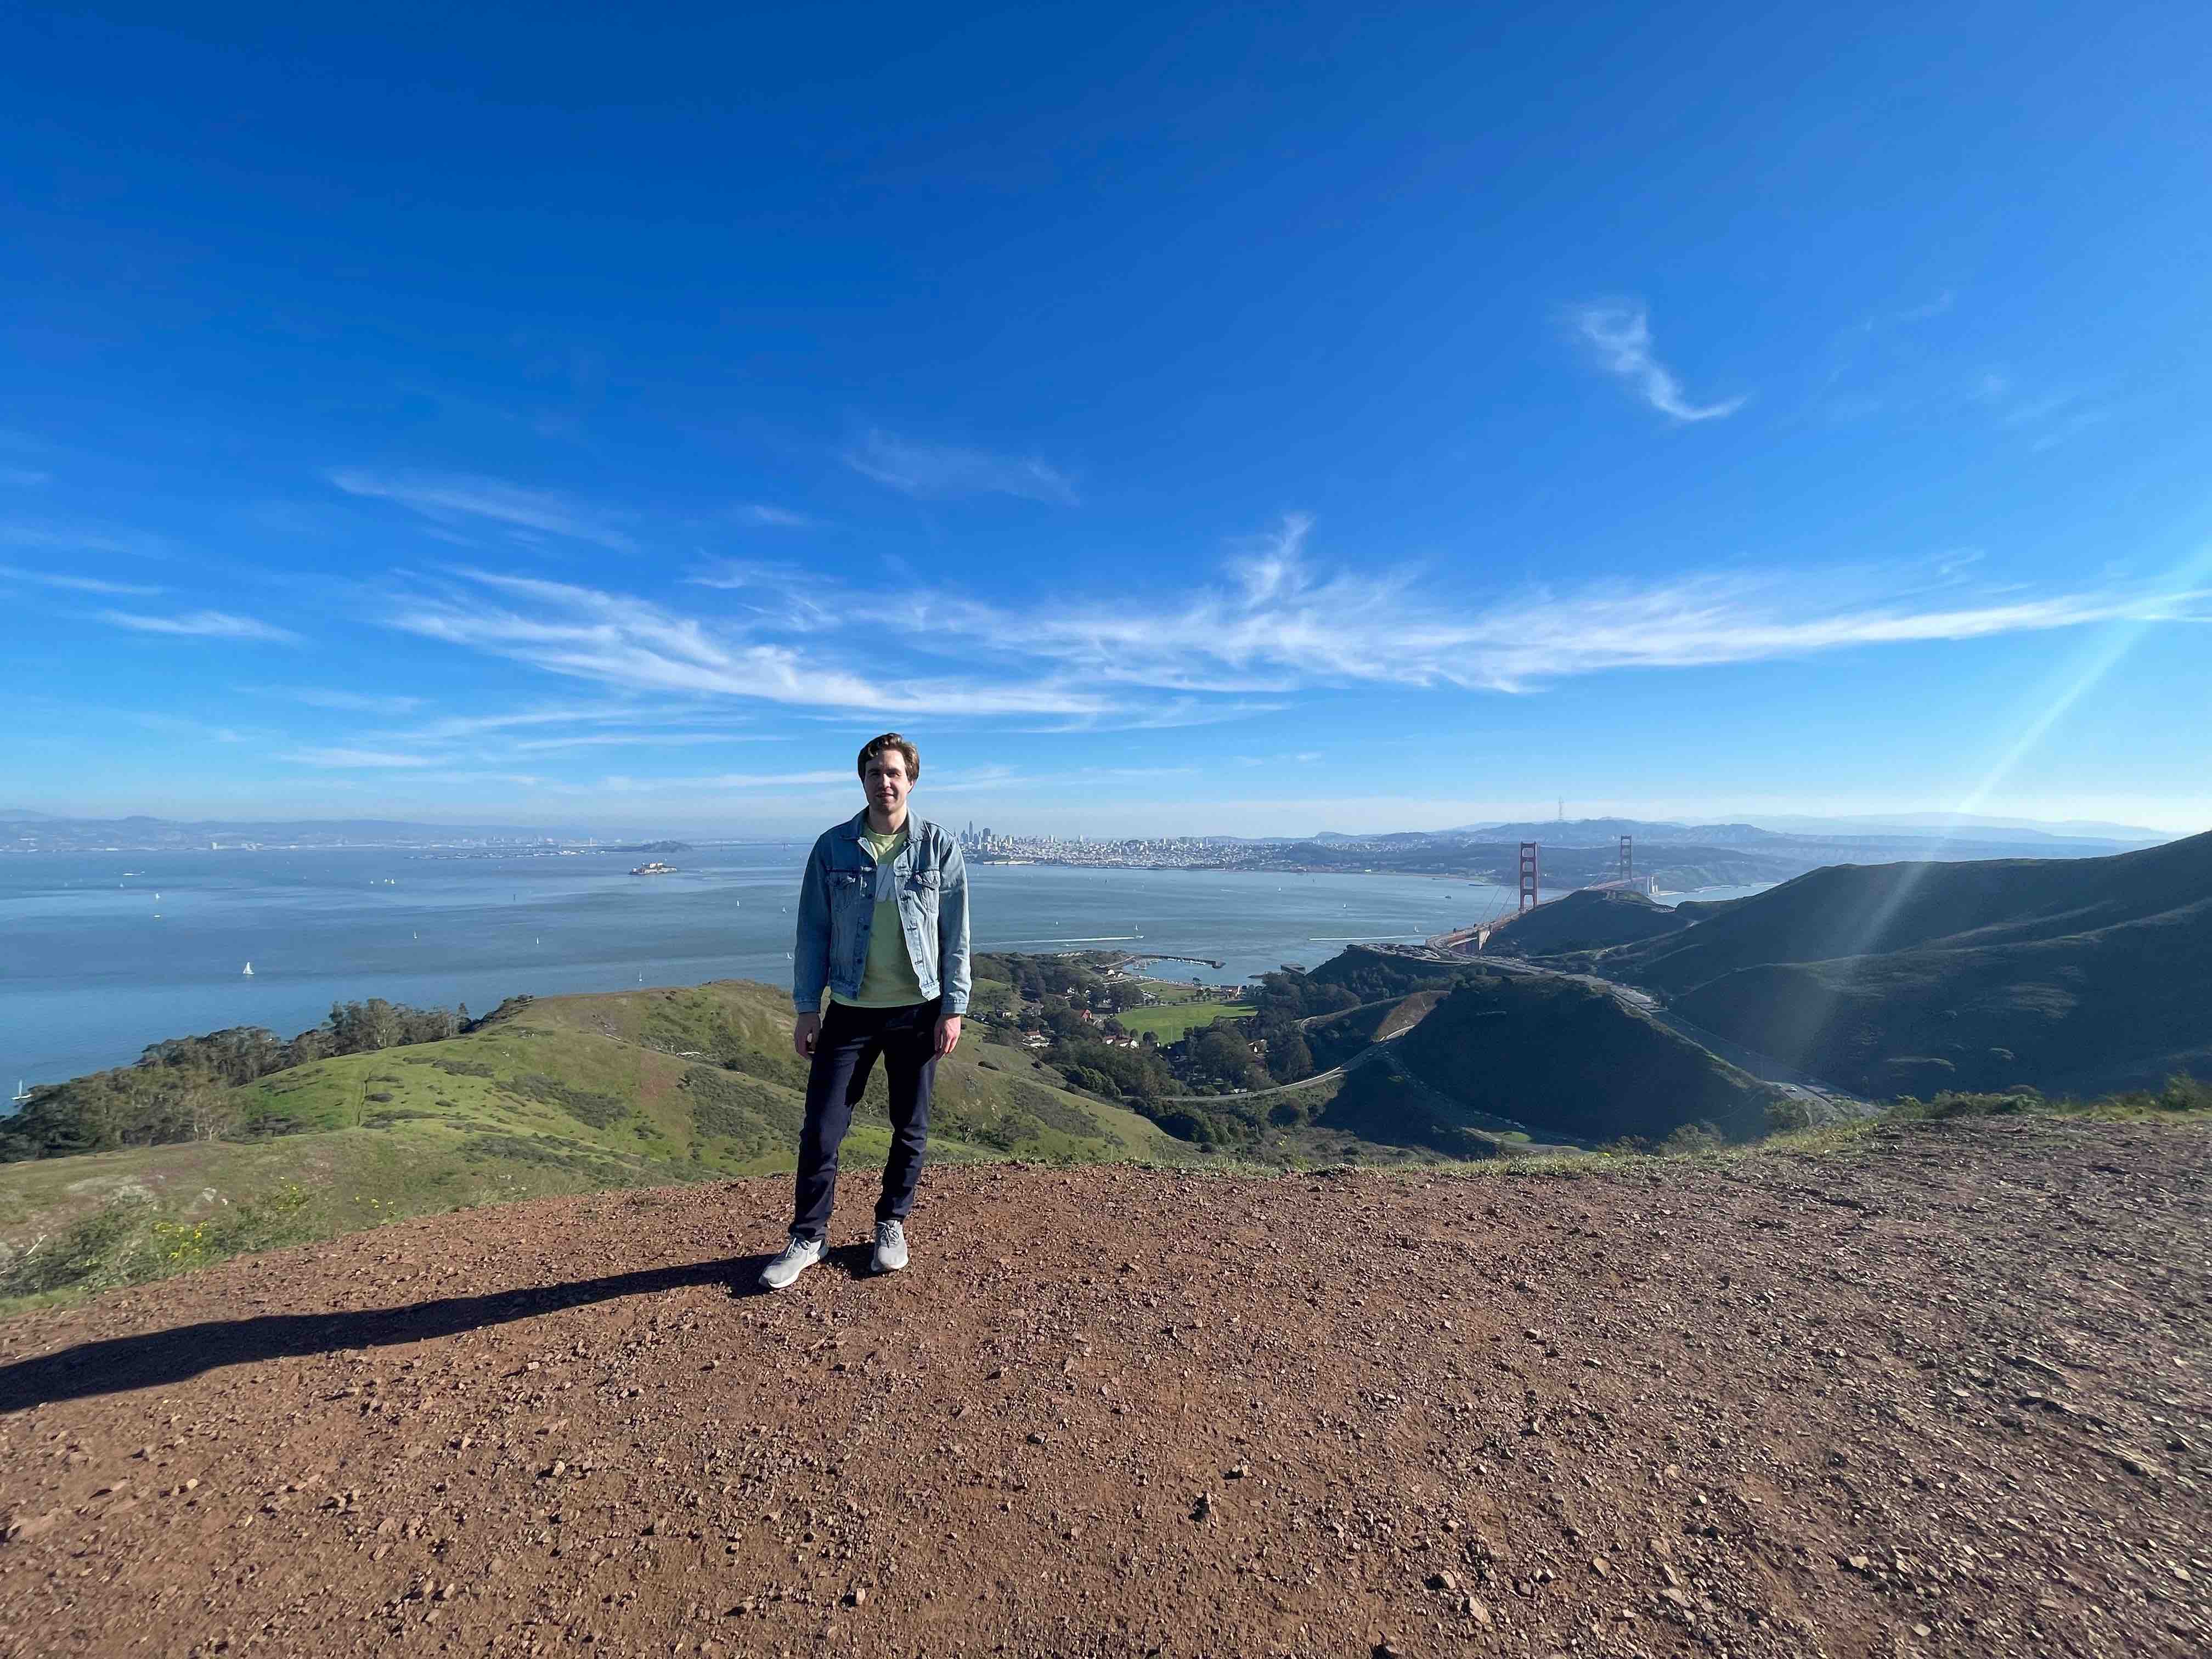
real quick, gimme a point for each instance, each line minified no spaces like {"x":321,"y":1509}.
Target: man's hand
{"x":948,"y":1035}
{"x":803,"y":1032}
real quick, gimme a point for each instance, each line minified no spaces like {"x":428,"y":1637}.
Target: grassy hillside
{"x":1336,"y":1038}
{"x":1169,"y":1021}
{"x":1558,"y":1056}
{"x":1849,"y":910}
{"x":2122,"y":1008}
{"x":2065,"y":974}
{"x":1587,"y":921}
{"x":567,"y":1094}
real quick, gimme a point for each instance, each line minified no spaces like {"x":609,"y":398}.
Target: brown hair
{"x":875,"y":746}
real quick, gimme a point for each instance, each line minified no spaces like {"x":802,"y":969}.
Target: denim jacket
{"x":837,"y":907}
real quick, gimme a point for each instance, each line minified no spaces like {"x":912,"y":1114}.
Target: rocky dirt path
{"x":1948,"y":1398}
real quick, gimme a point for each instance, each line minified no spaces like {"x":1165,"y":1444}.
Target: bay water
{"x":103,"y":953}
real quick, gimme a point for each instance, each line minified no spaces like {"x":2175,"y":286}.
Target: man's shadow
{"x":157,"y":1358}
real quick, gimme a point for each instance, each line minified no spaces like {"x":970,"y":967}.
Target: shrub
{"x":92,"y":1253}
{"x":583,"y":1104}
{"x":126,"y":1243}
{"x":1691,"y":1138}
{"x":1956,"y":1103}
{"x":1785,"y":1113}
{"x":1094,"y":1081}
{"x":2184,"y":1093}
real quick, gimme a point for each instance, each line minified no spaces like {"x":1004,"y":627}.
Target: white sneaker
{"x":798,"y":1256}
{"x":890,"y":1247}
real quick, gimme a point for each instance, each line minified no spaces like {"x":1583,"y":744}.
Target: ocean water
{"x":102,"y":954}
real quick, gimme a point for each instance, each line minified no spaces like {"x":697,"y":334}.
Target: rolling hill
{"x":1592,"y":920}
{"x":1569,"y":1060}
{"x":2067,"y":975}
{"x":564,"y":1094}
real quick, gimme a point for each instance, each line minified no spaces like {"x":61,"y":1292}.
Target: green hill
{"x":563,"y":1094}
{"x":2069,"y":974}
{"x":1571,"y":1062}
{"x":1590,"y":920}
{"x":1335,"y":1038}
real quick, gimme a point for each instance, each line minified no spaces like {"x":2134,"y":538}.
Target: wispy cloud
{"x":620,"y":785}
{"x":1273,"y":624}
{"x":1621,"y":334}
{"x":183,"y":726}
{"x":615,"y":640}
{"x":355,"y":758}
{"x":1277,"y":622}
{"x":450,"y":728}
{"x":83,"y":539}
{"x":202,"y":624}
{"x":1174,"y":714}
{"x":23,"y":477}
{"x":77,"y":584}
{"x":788,"y":598}
{"x":947,"y":470}
{"x":775,"y":518}
{"x":447,"y":499}
{"x":500,"y":737}
{"x":349,"y":702}
{"x":641,"y":740}
{"x":2032,"y":412}
{"x":2046,"y":419}
{"x":2073,"y":426}
{"x":1919,"y":313}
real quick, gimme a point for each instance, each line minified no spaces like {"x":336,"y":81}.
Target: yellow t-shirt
{"x":888,"y":981}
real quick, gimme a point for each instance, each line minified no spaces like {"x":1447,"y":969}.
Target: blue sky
{"x":1244,"y":419}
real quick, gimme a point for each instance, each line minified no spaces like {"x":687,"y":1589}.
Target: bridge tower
{"x":1628,"y":858}
{"x":1529,"y":877}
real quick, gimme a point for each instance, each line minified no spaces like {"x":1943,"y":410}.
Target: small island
{"x":654,"y":868}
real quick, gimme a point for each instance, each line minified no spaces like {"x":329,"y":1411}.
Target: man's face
{"x":886,"y":782}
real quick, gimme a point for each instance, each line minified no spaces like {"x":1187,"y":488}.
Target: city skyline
{"x":1177,"y":424}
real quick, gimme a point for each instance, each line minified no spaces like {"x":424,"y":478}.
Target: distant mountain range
{"x":1814,"y":841}
{"x":2133,"y":834}
{"x":1913,"y":826}
{"x":1599,"y":832}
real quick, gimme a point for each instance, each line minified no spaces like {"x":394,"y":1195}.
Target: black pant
{"x":850,"y":1039}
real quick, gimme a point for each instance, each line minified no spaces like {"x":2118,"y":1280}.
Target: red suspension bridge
{"x":1529,"y":894}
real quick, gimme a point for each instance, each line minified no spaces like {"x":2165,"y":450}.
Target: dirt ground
{"x":1948,"y":1397}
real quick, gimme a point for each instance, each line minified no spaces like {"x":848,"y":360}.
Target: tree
{"x":1289,"y":1058}
{"x":1222,"y":1052}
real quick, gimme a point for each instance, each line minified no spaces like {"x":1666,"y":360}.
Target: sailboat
{"x":249,"y":970}
{"x":22,"y":1092}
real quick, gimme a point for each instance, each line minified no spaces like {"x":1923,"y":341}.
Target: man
{"x":883,"y":924}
